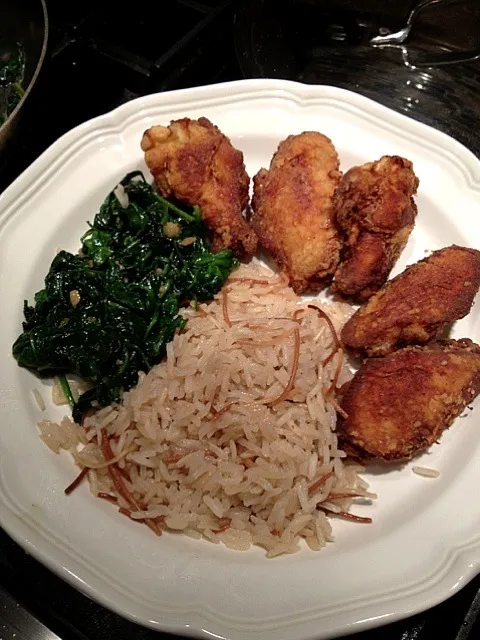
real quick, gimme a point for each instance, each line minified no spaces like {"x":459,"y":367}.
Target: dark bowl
{"x":24,"y":21}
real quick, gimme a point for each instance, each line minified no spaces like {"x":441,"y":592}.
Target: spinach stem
{"x":19,"y":88}
{"x":66,"y":389}
{"x":179,"y":212}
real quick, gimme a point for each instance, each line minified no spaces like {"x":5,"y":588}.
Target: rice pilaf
{"x":232,"y":437}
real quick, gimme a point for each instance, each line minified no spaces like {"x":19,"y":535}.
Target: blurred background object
{"x":329,"y":42}
{"x":23,"y":46}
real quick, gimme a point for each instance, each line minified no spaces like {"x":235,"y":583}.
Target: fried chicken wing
{"x":375,"y":209}
{"x":399,"y":405}
{"x":196,"y":163}
{"x":415,"y":306}
{"x":293,"y":209}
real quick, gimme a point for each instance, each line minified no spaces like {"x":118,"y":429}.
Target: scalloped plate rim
{"x":461,"y":568}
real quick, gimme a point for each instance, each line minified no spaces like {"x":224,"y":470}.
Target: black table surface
{"x":102,"y":55}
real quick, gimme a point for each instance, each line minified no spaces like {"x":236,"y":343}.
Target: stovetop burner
{"x":101,"y":56}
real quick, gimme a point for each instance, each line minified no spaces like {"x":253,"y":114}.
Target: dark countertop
{"x":327,"y":42}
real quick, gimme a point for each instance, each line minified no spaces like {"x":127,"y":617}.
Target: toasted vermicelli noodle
{"x":232,"y":437}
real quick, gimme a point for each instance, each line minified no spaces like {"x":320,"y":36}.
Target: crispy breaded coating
{"x":399,"y":405}
{"x":415,"y":306}
{"x":375,"y":209}
{"x":293,"y":209}
{"x":194,"y":162}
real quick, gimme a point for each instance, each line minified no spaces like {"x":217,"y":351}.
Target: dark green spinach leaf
{"x":12,"y":69}
{"x":108,"y":312}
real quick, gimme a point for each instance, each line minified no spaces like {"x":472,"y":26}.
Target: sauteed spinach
{"x":12,"y":69}
{"x":108,"y":312}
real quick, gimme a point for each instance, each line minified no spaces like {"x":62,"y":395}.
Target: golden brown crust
{"x":194,"y":162}
{"x":399,"y":405}
{"x":375,"y":209}
{"x":415,"y":306}
{"x":293,"y":209}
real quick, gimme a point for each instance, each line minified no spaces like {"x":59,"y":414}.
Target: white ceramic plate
{"x":424,"y":543}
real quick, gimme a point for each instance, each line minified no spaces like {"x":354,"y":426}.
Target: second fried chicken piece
{"x":399,"y":405}
{"x":415,"y":306}
{"x":293,"y":209}
{"x":193,"y":161}
{"x":376,"y":211}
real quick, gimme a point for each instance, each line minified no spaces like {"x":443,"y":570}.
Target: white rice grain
{"x":38,"y":399}
{"x":426,"y":472}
